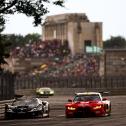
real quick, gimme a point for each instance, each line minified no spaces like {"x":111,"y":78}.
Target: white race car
{"x":27,"y":107}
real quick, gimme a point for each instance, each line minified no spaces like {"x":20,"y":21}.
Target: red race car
{"x":88,"y":104}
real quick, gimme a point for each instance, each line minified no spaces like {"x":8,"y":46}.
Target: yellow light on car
{"x":97,"y":107}
{"x":71,"y":108}
{"x":41,"y":92}
{"x":51,"y":92}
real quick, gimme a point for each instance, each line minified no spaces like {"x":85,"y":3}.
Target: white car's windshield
{"x":25,"y":102}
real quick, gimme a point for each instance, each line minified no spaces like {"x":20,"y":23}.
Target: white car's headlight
{"x":41,"y":92}
{"x":39,"y":107}
{"x":51,"y":92}
{"x":10,"y":108}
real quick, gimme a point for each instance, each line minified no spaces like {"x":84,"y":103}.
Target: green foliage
{"x":19,"y":40}
{"x":2,"y":22}
{"x":13,"y":40}
{"x":31,"y":8}
{"x":4,"y":53}
{"x":115,"y":42}
{"x":32,"y":38}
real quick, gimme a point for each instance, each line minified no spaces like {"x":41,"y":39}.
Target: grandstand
{"x":52,"y":58}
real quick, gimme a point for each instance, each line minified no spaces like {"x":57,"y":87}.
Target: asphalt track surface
{"x":57,"y":117}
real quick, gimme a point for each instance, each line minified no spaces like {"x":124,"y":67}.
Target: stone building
{"x":74,"y":28}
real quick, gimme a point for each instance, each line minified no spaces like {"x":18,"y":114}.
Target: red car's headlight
{"x":71,"y":108}
{"x":97,"y":107}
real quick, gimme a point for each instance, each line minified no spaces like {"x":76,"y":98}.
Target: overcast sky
{"x":110,"y":12}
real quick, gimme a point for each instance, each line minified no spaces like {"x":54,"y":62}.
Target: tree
{"x":14,"y":40}
{"x":4,"y":52}
{"x":32,"y":38}
{"x":2,"y":22}
{"x":31,"y":8}
{"x":20,"y":40}
{"x":115,"y":42}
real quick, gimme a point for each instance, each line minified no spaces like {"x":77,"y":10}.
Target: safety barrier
{"x":2,"y":107}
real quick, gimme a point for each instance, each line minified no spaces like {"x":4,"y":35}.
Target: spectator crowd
{"x":58,"y":59}
{"x":41,"y":49}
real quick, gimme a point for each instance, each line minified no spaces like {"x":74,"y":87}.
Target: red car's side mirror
{"x":69,"y":100}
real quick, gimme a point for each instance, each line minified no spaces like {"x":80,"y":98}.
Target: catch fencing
{"x":6,"y":86}
{"x":113,"y":82}
{"x":9,"y":83}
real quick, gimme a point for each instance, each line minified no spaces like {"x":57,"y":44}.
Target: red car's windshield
{"x":94,"y":97}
